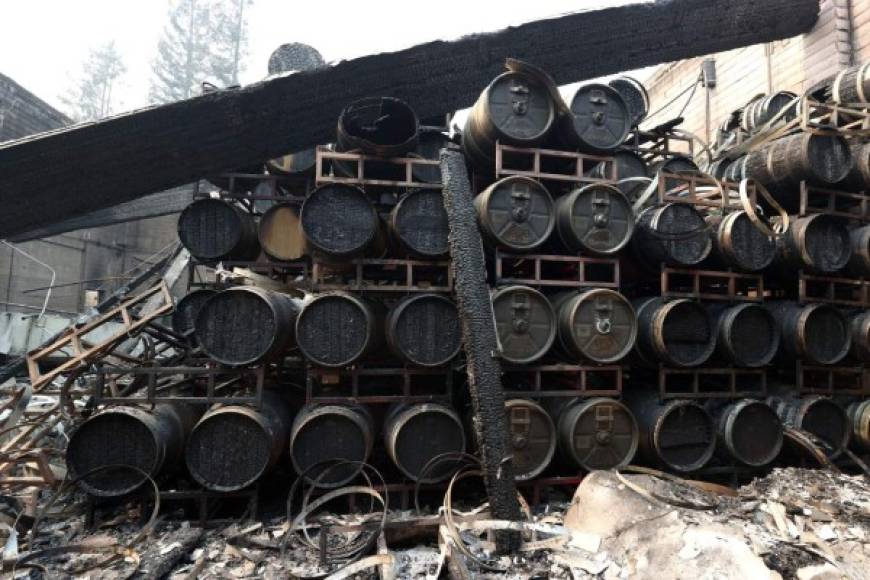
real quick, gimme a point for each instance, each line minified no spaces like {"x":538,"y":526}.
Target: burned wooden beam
{"x":480,"y":342}
{"x":57,"y":176}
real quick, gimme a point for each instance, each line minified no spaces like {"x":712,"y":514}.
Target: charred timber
{"x":66,"y":173}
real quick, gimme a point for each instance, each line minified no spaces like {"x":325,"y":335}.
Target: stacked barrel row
{"x":266,"y":225}
{"x":834,"y":244}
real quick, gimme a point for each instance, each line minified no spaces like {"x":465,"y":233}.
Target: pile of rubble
{"x":794,"y":523}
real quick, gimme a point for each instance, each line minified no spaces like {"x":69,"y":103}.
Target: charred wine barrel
{"x":736,"y":170}
{"x":817,"y":415}
{"x":516,"y":213}
{"x":718,"y":168}
{"x":187,"y":309}
{"x":281,"y":235}
{"x":600,"y":119}
{"x":232,"y":446}
{"x":514,"y":109}
{"x":819,"y":243}
{"x":680,"y":333}
{"x":674,"y":233}
{"x":212,"y":229}
{"x":338,"y":329}
{"x":759,"y":112}
{"x":532,"y":437}
{"x":635,"y":96}
{"x":628,"y":165}
{"x":859,"y":262}
{"x":858,"y":178}
{"x":299,"y":163}
{"x":674,"y":165}
{"x":746,"y":112}
{"x":859,"y":417}
{"x":380,"y":126}
{"x":860,"y":327}
{"x":324,"y":434}
{"x":429,"y":147}
{"x":414,"y":435}
{"x":852,"y":85}
{"x":597,"y":433}
{"x":747,"y":334}
{"x":246,"y":325}
{"x":339,"y":222}
{"x":817,"y":333}
{"x":738,"y":244}
{"x":597,"y":325}
{"x":424,"y":330}
{"x":150,"y":440}
{"x":525,"y":322}
{"x":677,"y":434}
{"x":595,"y":219}
{"x":782,"y":164}
{"x":749,"y":432}
{"x":418,"y":224}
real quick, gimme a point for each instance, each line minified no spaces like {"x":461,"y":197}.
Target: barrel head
{"x":334,"y":330}
{"x":684,"y":438}
{"x":600,"y":118}
{"x":228,"y":451}
{"x":751,"y":337}
{"x":237,"y":327}
{"x":424,"y":330}
{"x":601,"y":326}
{"x":281,"y":235}
{"x":419,"y":221}
{"x":419,"y":434}
{"x":187,"y":309}
{"x":827,"y":242}
{"x":516,"y":213}
{"x":827,"y":336}
{"x":744,"y":245}
{"x":211,"y":229}
{"x":687,"y":334}
{"x":525,"y":322}
{"x":429,"y":146}
{"x":598,"y":434}
{"x":682,"y":231}
{"x":532,"y":437}
{"x":829,"y":157}
{"x":339,"y":220}
{"x":326,"y":434}
{"x":596,"y":219}
{"x":635,"y":96}
{"x":828,"y":421}
{"x":753,"y":433}
{"x":113,"y":438}
{"x":519,"y":107}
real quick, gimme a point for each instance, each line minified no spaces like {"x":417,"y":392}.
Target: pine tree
{"x":183,"y":54}
{"x":93,"y":97}
{"x":229,"y":46}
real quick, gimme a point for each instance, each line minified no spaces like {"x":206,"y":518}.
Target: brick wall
{"x":793,"y":65}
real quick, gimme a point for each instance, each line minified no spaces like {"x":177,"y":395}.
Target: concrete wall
{"x":97,"y":258}
{"x":841,"y":36}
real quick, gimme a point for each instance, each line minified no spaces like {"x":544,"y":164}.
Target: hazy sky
{"x":45,"y":41}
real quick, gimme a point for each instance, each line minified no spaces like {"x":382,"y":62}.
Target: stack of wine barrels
{"x":326,"y":292}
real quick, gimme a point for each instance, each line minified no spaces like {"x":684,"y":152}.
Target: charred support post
{"x":480,"y":343}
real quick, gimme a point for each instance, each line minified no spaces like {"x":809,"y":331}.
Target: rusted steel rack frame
{"x":299,"y":268}
{"x":815,"y":117}
{"x":319,"y":378}
{"x":832,"y":376}
{"x":698,"y":277}
{"x":506,"y":263}
{"x":537,"y":155}
{"x":832,"y":288}
{"x":298,"y":183}
{"x":696,"y":375}
{"x":85,"y":352}
{"x":202,"y":497}
{"x":408,"y":163}
{"x":833,"y":203}
{"x":107,"y":375}
{"x":687,"y":191}
{"x":578,"y":374}
{"x":362,"y":283}
{"x":651,"y":146}
{"x":29,"y":459}
{"x":848,"y":119}
{"x":540,"y":484}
